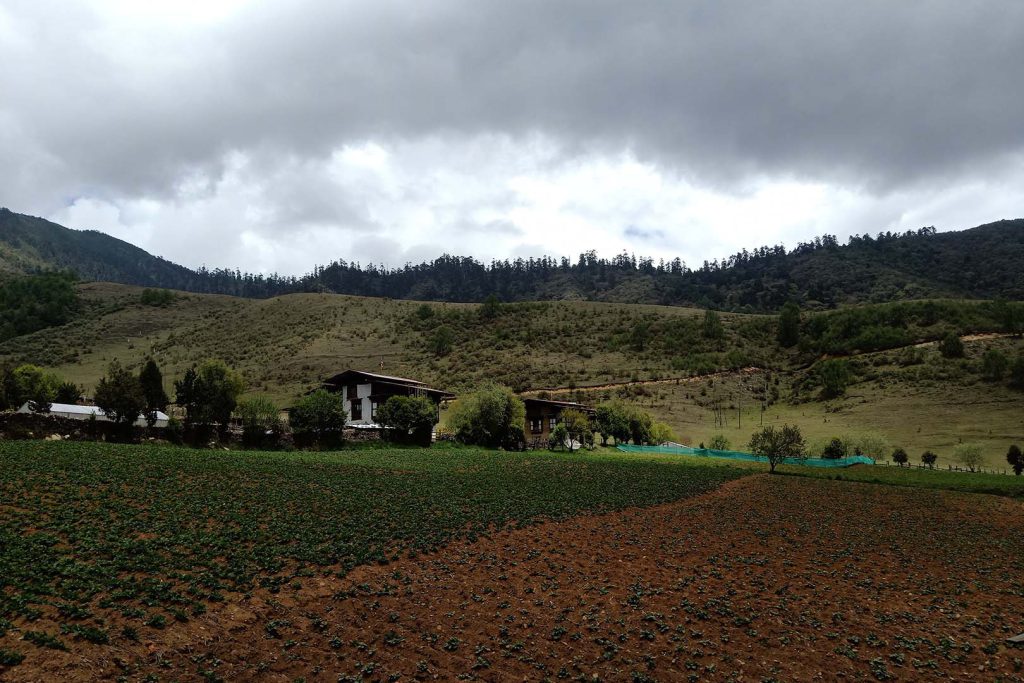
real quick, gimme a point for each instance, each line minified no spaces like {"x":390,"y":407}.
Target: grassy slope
{"x":283,"y":346}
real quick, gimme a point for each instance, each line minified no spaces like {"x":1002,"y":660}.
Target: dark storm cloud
{"x":870,"y":95}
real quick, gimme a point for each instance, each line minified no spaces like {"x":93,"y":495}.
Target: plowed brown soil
{"x":768,"y":578}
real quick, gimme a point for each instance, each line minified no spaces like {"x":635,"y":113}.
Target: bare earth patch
{"x":767,"y":578}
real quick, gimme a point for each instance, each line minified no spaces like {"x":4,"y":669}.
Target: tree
{"x":968,"y":455}
{"x":559,"y":438}
{"x":928,"y":458}
{"x":900,"y":457}
{"x":713,"y":328}
{"x":119,"y":394}
{"x":209,"y":393}
{"x":441,"y":341}
{"x":35,"y":386}
{"x":408,"y":419}
{"x":834,"y":375}
{"x":719,"y":443}
{"x":873,"y":446}
{"x":789,"y":325}
{"x":951,"y":346}
{"x":835,"y":449}
{"x":491,"y":416}
{"x":994,"y":364}
{"x":640,"y":335}
{"x":640,"y":426}
{"x":662,"y":433}
{"x":490,"y":308}
{"x":612,"y":420}
{"x":68,"y":392}
{"x":319,"y":417}
{"x":261,"y":421}
{"x":778,"y":444}
{"x":1017,"y":372}
{"x":1016,"y":459}
{"x":152,"y":382}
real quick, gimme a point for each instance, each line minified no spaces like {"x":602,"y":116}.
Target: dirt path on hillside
{"x":767,"y":578}
{"x":692,"y":379}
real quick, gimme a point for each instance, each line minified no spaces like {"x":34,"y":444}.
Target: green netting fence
{"x":749,"y":457}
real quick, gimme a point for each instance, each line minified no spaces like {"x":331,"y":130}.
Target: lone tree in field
{"x":1016,"y":459}
{"x":120,"y":396}
{"x":928,"y":458}
{"x":951,"y":346}
{"x":968,"y":455}
{"x":900,"y":457}
{"x":778,"y":444}
{"x":441,"y":341}
{"x":789,"y":325}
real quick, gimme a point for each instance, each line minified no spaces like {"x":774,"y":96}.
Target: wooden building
{"x":364,"y":392}
{"x":543,"y":414}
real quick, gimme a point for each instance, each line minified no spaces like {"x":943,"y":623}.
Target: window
{"x":357,"y":409}
{"x":535,"y":425}
{"x":552,"y":421}
{"x":373,"y":410}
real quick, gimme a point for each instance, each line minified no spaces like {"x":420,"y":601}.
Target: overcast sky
{"x":275,"y":135}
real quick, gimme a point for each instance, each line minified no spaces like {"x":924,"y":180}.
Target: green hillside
{"x":982,"y":262}
{"x":683,"y":364}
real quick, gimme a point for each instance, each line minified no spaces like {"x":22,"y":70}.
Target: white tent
{"x":75,"y":412}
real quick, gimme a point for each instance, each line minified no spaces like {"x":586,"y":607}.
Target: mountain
{"x":982,"y":262}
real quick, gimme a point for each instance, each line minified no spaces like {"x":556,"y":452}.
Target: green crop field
{"x":93,"y":533}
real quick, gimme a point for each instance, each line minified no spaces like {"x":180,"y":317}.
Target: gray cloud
{"x":872,"y":97}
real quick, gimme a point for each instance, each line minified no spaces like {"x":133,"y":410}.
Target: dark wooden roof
{"x":564,"y":405}
{"x":349,"y":376}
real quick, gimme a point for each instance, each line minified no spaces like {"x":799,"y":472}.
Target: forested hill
{"x":983,"y":262}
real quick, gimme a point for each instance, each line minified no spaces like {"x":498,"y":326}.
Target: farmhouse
{"x":364,"y":392}
{"x":76,"y":412}
{"x":542,"y":415}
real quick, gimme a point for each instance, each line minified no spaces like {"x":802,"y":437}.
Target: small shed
{"x":76,"y":412}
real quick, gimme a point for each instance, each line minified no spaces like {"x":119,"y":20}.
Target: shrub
{"x":951,"y":346}
{"x":778,"y":444}
{"x":441,"y":341}
{"x":928,"y":458}
{"x":492,"y":416}
{"x":719,"y":443}
{"x":873,"y":446}
{"x":559,"y":438}
{"x":834,"y":375}
{"x":408,"y":419}
{"x":968,"y":455}
{"x":994,"y":364}
{"x":157,"y":297}
{"x":834,"y":449}
{"x":319,"y":418}
{"x":788,"y":333}
{"x":1017,"y":372}
{"x":1016,"y":459}
{"x":261,"y":422}
{"x":899,"y":456}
